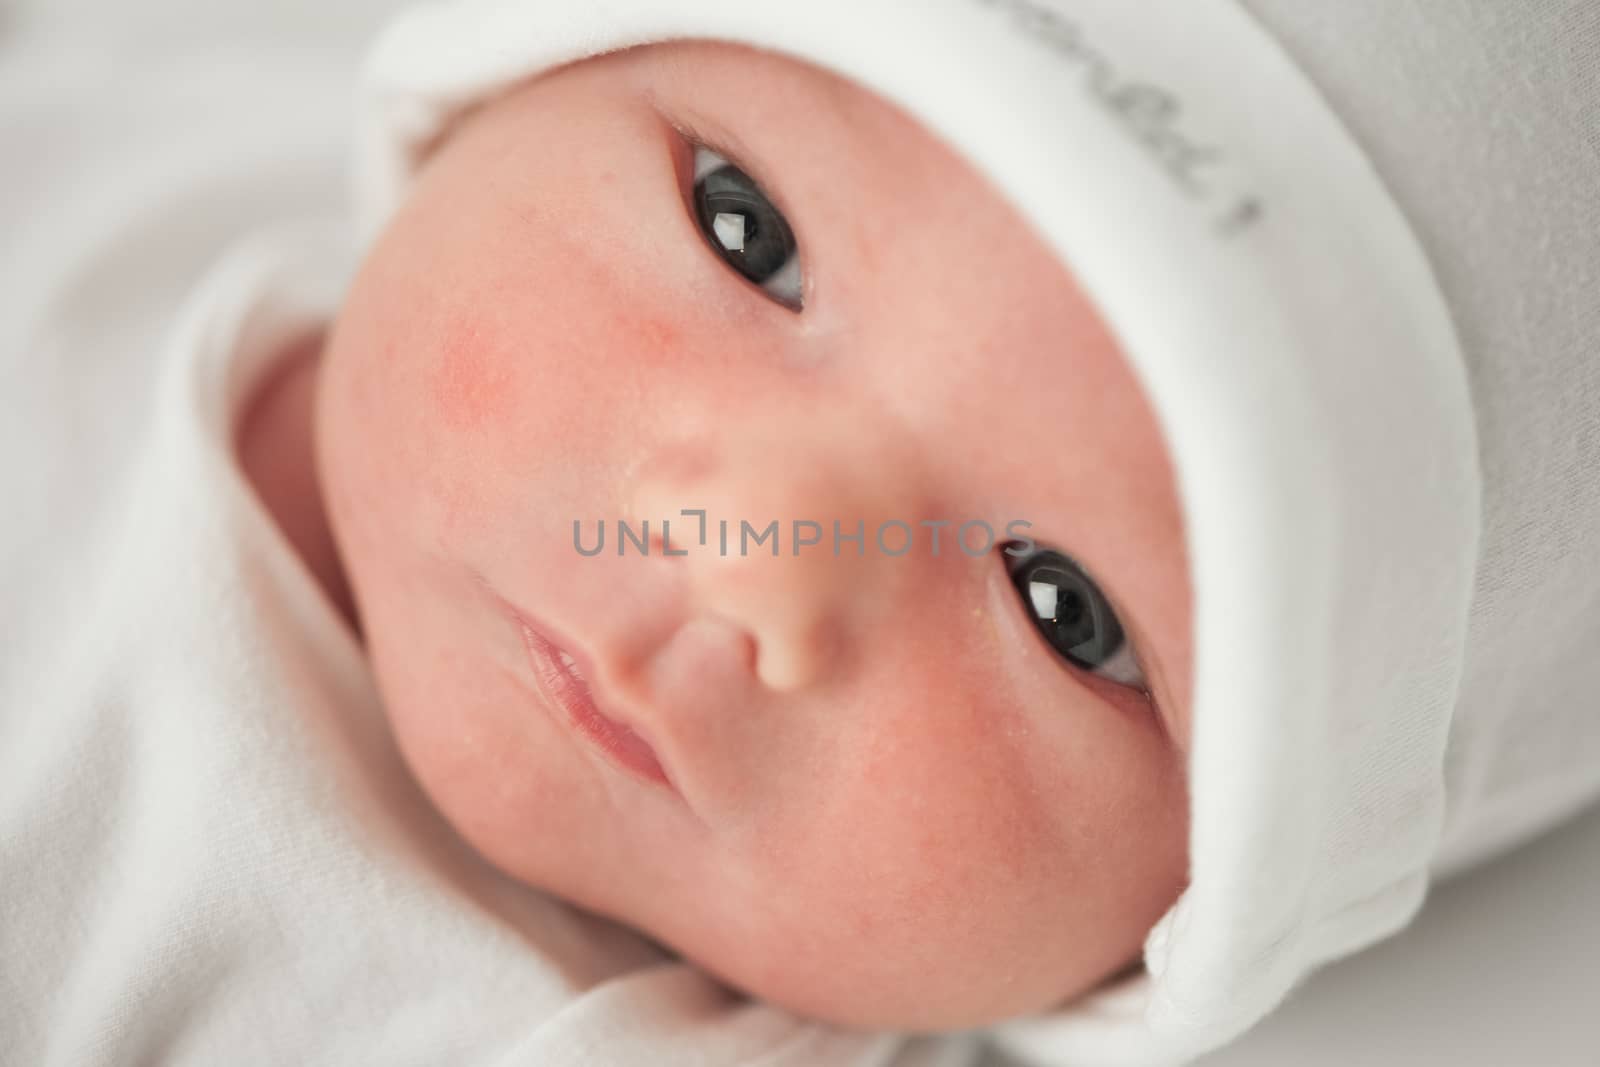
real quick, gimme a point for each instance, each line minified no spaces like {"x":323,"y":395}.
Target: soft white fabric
{"x":210,"y":851}
{"x":1484,"y":118}
{"x":1395,"y":537}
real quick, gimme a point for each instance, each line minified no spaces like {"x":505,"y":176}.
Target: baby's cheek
{"x":529,"y":336}
{"x":556,"y":350}
{"x":925,"y":883}
{"x":470,"y":386}
{"x":937,"y":922}
{"x":653,"y":337}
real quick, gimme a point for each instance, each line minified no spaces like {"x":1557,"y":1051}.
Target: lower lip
{"x":567,"y":690}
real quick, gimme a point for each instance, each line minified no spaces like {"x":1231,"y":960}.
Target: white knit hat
{"x":1276,"y":307}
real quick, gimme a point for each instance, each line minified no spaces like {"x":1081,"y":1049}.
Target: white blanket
{"x":210,"y":853}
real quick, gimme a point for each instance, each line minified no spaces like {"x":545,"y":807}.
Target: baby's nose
{"x":782,"y":535}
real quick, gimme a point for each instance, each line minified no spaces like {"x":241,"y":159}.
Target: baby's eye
{"x":744,"y":228}
{"x":1073,"y":615}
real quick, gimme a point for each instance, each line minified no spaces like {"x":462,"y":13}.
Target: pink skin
{"x":888,"y":803}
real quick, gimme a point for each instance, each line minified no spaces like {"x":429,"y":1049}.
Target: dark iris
{"x":743,"y":226}
{"x":1069,"y":609}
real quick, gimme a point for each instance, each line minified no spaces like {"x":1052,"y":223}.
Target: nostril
{"x":748,"y":652}
{"x":792,"y":654}
{"x":650,"y":534}
{"x":664,"y":540}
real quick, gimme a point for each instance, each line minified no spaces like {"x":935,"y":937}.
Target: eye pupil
{"x":1069,"y":609}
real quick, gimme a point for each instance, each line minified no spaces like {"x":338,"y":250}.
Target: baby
{"x":1010,"y":516}
{"x":928,"y":789}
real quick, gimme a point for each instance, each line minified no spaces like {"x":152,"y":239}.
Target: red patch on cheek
{"x":471,"y":384}
{"x":657,"y":338}
{"x":659,"y":332}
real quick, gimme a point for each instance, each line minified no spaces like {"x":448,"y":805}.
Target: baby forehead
{"x":745,"y":94}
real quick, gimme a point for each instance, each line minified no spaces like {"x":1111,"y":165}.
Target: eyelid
{"x":739,"y":158}
{"x":1149,"y":666}
{"x":701,"y":132}
{"x":1132,"y":632}
{"x":1154,"y":677}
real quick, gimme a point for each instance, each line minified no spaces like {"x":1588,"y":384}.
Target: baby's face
{"x":881,"y":789}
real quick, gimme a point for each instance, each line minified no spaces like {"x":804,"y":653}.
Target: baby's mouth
{"x":564,"y":688}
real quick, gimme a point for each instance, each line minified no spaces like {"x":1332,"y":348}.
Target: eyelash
{"x":1046,"y":562}
{"x":735,"y":216}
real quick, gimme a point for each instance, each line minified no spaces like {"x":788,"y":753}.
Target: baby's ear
{"x":276,"y":450}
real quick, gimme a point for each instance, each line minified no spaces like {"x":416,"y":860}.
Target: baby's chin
{"x":932,"y":983}
{"x":928,"y":964}
{"x":954,"y":937}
